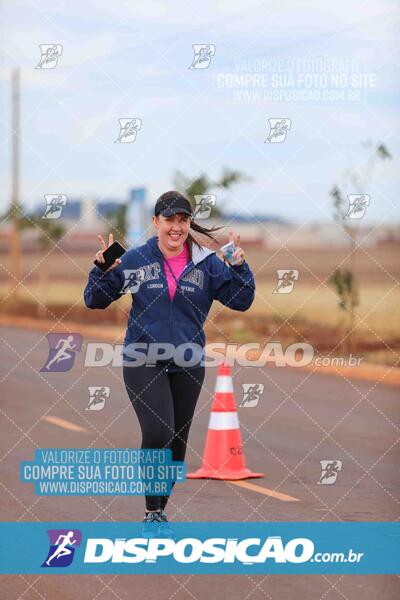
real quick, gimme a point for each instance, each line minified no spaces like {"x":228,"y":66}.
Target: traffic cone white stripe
{"x":224,"y":384}
{"x":223,"y":456}
{"x":223,"y":420}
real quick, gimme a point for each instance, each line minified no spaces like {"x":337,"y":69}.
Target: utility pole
{"x":15,"y":246}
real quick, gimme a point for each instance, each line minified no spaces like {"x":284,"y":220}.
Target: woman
{"x":173,"y":281}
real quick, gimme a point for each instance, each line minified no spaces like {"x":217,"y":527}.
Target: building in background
{"x":136,"y":216}
{"x":84,"y":218}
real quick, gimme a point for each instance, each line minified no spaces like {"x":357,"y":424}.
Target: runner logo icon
{"x":278,"y":129}
{"x":128,"y":129}
{"x":203,"y":54}
{"x":357,"y":206}
{"x":251,"y":394}
{"x":54,"y":205}
{"x":63,"y":347}
{"x":50,"y":53}
{"x":97,"y":397}
{"x":62,"y":547}
{"x":330,"y":469}
{"x":286,"y":280}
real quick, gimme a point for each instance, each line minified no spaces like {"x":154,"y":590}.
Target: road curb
{"x":115,"y":334}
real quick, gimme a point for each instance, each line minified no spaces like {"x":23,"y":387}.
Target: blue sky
{"x":131,"y":59}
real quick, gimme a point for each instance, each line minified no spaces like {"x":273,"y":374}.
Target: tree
{"x":344,"y":280}
{"x":118,"y":220}
{"x":202,"y":184}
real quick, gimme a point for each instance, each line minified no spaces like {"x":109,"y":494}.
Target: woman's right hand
{"x":103,"y":246}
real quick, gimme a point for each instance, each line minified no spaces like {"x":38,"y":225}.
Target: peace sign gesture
{"x":103,"y":246}
{"x":239,"y":252}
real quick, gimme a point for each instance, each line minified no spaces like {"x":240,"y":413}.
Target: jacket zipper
{"x":185,"y":270}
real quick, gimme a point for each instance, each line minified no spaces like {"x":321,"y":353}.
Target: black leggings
{"x":164,"y":403}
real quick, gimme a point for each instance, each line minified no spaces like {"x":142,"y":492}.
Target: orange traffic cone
{"x":223,"y":453}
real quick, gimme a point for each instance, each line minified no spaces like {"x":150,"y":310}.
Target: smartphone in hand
{"x":110,"y":255}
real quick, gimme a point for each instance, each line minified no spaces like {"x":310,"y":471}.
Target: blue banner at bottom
{"x":199,"y":547}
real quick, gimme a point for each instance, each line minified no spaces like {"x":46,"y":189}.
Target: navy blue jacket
{"x":154,"y":317}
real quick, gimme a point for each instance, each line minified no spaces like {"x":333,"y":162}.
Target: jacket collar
{"x":198,"y":254}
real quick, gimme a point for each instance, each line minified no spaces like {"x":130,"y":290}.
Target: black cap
{"x":172,"y":206}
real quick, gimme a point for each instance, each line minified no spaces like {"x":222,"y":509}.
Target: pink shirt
{"x":177,"y":264}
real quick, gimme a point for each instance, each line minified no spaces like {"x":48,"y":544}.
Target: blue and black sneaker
{"x":151,"y":525}
{"x":165,"y":529}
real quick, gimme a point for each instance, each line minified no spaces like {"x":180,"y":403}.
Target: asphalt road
{"x":301,"y":419}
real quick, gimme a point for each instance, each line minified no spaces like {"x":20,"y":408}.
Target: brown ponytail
{"x":204,"y":231}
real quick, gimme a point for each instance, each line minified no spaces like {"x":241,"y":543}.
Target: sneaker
{"x":165,"y":529}
{"x":151,"y":525}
